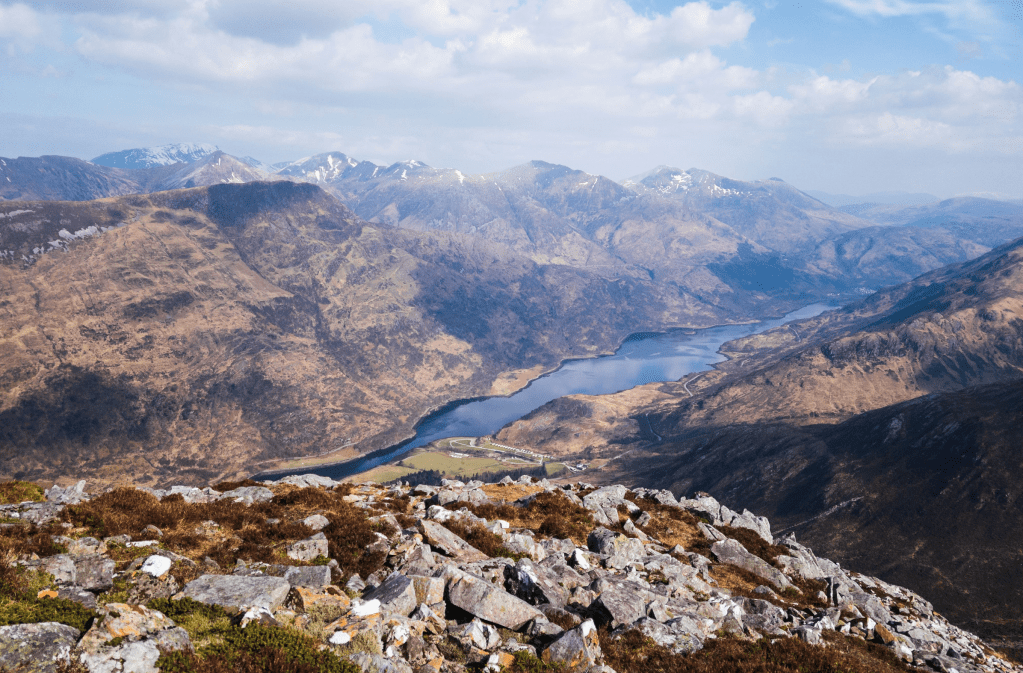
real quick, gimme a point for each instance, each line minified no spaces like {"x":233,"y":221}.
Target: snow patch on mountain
{"x":164,"y":155}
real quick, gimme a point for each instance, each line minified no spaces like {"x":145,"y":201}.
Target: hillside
{"x":892,"y":419}
{"x":214,"y":331}
{"x":306,"y":575}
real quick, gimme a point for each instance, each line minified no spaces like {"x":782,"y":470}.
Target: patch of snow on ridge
{"x":163,"y":155}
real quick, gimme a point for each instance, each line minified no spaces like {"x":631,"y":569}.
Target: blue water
{"x":641,"y":359}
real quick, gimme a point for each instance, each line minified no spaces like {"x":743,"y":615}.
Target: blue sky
{"x":849,"y":96}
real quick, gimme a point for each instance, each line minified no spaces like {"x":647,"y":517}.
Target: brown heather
{"x":549,"y":514}
{"x":635,"y":653}
{"x":247,"y":531}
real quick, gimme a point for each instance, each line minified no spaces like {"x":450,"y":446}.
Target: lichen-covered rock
{"x":604,"y":504}
{"x":576,"y":650}
{"x":36,"y":648}
{"x":619,"y":549}
{"x":248,"y":494}
{"x":478,"y":597}
{"x":234,"y":593}
{"x":307,"y":576}
{"x":375,"y":663}
{"x":309,"y":548}
{"x":623,"y":603}
{"x":447,"y":542}
{"x":316,"y":522}
{"x":732,"y":551}
{"x":129,"y":639}
{"x":534,"y":584}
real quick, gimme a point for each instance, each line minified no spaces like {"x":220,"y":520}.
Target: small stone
{"x":316,"y":522}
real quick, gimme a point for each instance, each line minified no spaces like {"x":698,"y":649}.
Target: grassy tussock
{"x":13,"y":492}
{"x":635,"y":653}
{"x":489,"y":543}
{"x":549,"y":514}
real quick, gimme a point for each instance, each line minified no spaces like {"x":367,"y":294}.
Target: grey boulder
{"x":310,"y":548}
{"x":397,"y":594}
{"x":732,"y":552}
{"x":235,"y":592}
{"x":36,"y":648}
{"x":478,"y":597}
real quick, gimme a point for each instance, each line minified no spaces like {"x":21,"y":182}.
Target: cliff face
{"x":517,"y":576}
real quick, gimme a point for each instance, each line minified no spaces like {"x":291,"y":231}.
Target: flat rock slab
{"x":397,"y":594}
{"x":732,"y":552}
{"x":36,"y":648}
{"x":308,"y":576}
{"x":480,"y":598}
{"x":441,"y":538}
{"x":234,"y":593}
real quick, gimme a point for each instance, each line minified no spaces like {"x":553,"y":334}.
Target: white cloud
{"x":968,"y":10}
{"x":22,"y":28}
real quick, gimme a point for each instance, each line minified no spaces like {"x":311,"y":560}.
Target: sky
{"x":843,"y":96}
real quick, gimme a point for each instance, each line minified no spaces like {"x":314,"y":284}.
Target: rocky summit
{"x":308,"y":574}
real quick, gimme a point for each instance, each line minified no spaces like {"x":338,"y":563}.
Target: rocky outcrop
{"x":436,"y":602}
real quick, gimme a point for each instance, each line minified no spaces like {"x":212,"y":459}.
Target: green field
{"x":438,"y":457}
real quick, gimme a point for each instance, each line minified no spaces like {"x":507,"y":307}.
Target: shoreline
{"x":452,"y":404}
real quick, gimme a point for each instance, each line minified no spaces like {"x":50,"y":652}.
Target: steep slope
{"x":61,"y":178}
{"x":769,"y":212}
{"x":895,"y":419}
{"x":149,"y":157}
{"x":211,"y":169}
{"x":940,"y":475}
{"x":214,"y":331}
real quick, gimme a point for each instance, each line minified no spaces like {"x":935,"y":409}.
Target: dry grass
{"x":242,"y":532}
{"x":549,"y":514}
{"x":489,"y":543}
{"x":507,"y":493}
{"x":28,"y":539}
{"x":634,"y":653}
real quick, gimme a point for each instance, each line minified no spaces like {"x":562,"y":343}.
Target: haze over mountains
{"x":214,"y":317}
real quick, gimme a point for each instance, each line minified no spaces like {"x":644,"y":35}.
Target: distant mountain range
{"x":876,"y":198}
{"x":191,"y":316}
{"x":150,"y":157}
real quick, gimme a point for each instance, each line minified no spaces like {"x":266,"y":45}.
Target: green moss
{"x":219,"y":644}
{"x":116,"y":594}
{"x":528,"y":663}
{"x":29,"y":610}
{"x":320,"y":560}
{"x":114,"y":642}
{"x":13,"y":492}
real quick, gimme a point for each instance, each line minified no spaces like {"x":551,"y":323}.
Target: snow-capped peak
{"x":164,"y":155}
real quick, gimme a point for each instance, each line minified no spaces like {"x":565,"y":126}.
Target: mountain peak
{"x":163,"y":155}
